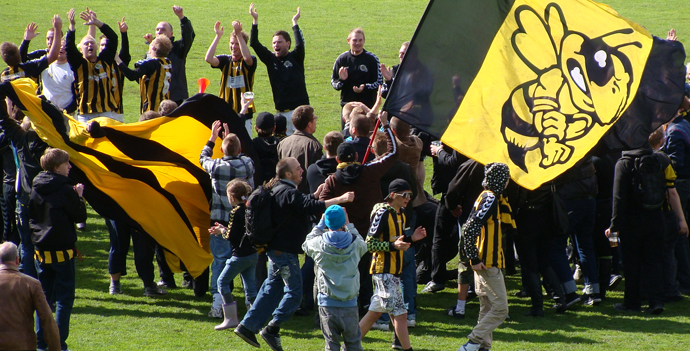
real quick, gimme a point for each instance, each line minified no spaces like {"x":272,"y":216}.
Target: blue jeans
{"x":246,"y":267}
{"x":581,"y":215}
{"x":27,"y":265}
{"x":221,"y":251}
{"x":280,"y":294}
{"x":59,"y":285}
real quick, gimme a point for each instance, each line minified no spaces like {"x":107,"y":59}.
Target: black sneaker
{"x":167,"y":285}
{"x":246,"y":335}
{"x":272,"y":340}
{"x":535,"y":312}
{"x":623,"y":308}
{"x":396,"y":342}
{"x":571,"y":299}
{"x":115,"y":288}
{"x":614,"y":281}
{"x":655,"y":309}
{"x":154,"y":291}
{"x":451,"y":313}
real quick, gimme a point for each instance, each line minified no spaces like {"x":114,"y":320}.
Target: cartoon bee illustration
{"x":580,"y":83}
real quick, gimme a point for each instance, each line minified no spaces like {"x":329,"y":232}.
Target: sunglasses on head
{"x":404,"y":195}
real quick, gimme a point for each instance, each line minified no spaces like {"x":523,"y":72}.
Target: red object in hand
{"x":203,"y":84}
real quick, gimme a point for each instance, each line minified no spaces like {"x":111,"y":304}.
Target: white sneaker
{"x":381,"y":326}
{"x":469,"y":346}
{"x":216,"y":313}
{"x":411,"y":323}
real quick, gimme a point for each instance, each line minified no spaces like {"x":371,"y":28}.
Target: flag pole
{"x":371,"y":141}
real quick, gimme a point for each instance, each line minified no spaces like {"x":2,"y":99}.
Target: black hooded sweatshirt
{"x":54,"y":207}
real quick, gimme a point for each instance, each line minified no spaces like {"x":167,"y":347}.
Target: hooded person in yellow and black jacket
{"x":483,"y":245}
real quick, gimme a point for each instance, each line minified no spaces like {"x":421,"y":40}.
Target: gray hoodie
{"x":337,"y":276}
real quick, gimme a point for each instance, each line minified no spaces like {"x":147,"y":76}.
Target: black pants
{"x":641,"y":243}
{"x":445,"y":242}
{"x":533,"y":241}
{"x":426,"y":218}
{"x":9,"y":205}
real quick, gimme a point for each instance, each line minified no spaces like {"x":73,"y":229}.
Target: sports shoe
{"x":655,"y":309}
{"x":215,"y":313}
{"x":154,"y":291}
{"x":571,"y":299}
{"x":623,"y":308}
{"x":469,"y":346}
{"x":187,"y":284}
{"x":272,"y":340}
{"x":115,"y":289}
{"x":396,"y":345}
{"x":167,"y":285}
{"x":246,"y":335}
{"x":380,"y":326}
{"x":411,"y":322}
{"x":81,"y":227}
{"x":593,"y":300}
{"x":451,"y":313}
{"x":432,"y":287}
{"x":615,"y":279}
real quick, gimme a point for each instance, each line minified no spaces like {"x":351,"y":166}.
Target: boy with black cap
{"x":387,"y":242}
{"x":336,"y":247}
{"x":266,"y":145}
{"x":281,"y":127}
{"x":483,"y":245}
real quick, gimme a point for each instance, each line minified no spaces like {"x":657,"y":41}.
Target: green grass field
{"x":178,"y":321}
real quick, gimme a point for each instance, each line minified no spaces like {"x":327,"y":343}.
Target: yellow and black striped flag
{"x":535,"y":84}
{"x":146,"y":174}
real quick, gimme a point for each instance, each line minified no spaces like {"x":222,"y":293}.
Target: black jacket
{"x":446,"y":165}
{"x":319,"y":171}
{"x":267,"y":152}
{"x":29,"y":147}
{"x":178,"y":59}
{"x":54,"y":207}
{"x":292,"y":217}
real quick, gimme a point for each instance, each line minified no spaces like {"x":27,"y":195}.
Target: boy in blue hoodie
{"x":336,"y":247}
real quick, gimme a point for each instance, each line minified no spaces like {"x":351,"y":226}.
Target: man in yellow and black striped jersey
{"x":93,"y":91}
{"x":387,"y":242}
{"x":117,"y":79}
{"x":16,"y":68}
{"x":153,"y":74}
{"x":237,"y":69}
{"x":483,"y":246}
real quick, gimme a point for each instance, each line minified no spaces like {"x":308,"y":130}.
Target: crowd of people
{"x":354,"y":202}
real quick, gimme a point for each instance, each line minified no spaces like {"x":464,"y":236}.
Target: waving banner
{"x":535,"y":84}
{"x":145,"y":174}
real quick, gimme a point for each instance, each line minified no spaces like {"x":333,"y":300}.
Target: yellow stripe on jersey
{"x":156,"y":87}
{"x":237,"y":79}
{"x":93,"y":87}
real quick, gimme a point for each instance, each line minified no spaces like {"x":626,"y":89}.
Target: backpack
{"x":649,"y":181}
{"x":259,"y":221}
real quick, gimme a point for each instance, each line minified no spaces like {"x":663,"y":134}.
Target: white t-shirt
{"x":57,"y":84}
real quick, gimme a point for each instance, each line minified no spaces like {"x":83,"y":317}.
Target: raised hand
{"x":70,"y":17}
{"x":89,"y":17}
{"x":386,"y":73}
{"x":253,"y":13}
{"x":296,"y":17}
{"x":342,"y":73}
{"x":237,"y":27}
{"x":215,"y":130}
{"x":123,"y":26}
{"x":671,"y":35}
{"x":178,"y":11}
{"x":57,"y":23}
{"x":218,"y":29}
{"x":30,"y":31}
{"x":148,"y":37}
